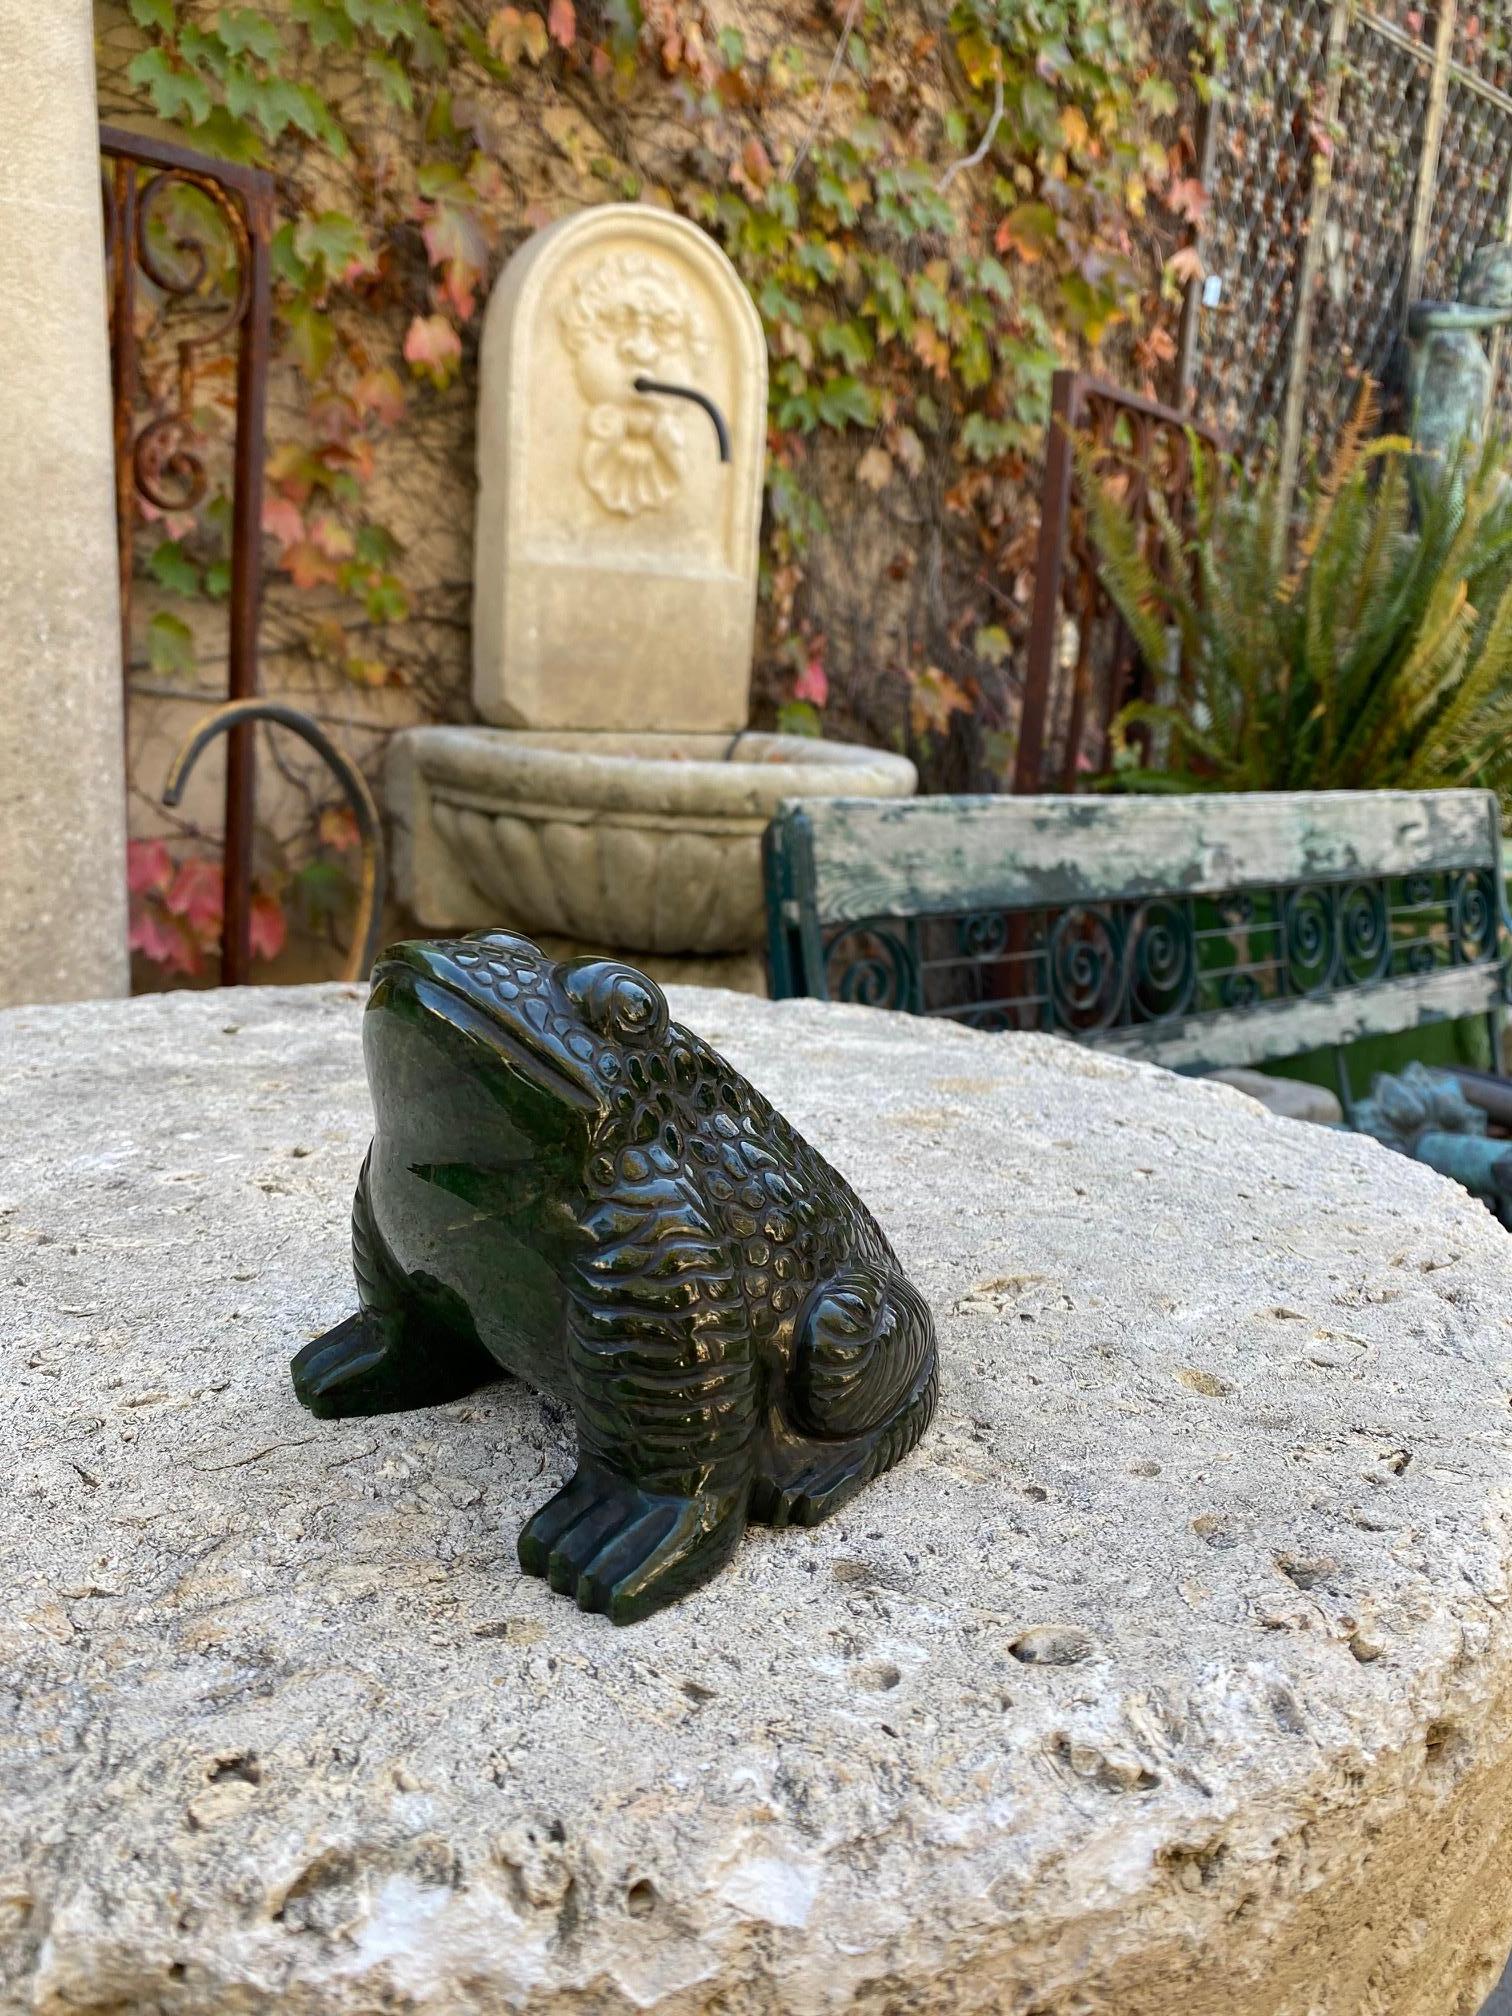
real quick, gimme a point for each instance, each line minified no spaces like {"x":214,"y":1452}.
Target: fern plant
{"x":1373,"y":651}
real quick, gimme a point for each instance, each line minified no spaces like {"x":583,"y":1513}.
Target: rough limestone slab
{"x":1172,"y":1675}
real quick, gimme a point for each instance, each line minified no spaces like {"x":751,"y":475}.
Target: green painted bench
{"x":1194,"y":932}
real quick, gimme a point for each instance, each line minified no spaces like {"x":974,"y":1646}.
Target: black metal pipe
{"x":240,"y":713}
{"x":702,"y":399}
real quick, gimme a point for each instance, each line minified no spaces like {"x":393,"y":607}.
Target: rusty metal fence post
{"x":158,"y":460}
{"x":1069,"y":708}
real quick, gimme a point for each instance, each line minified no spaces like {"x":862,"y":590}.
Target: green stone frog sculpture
{"x":567,"y":1186}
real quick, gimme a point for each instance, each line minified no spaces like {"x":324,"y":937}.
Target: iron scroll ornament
{"x":1092,"y":968}
{"x":566,"y":1186}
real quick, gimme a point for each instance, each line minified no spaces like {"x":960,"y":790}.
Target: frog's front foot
{"x":385,"y":1364}
{"x":625,"y":1551}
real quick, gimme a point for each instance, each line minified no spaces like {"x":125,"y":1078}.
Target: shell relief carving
{"x":630,"y":315}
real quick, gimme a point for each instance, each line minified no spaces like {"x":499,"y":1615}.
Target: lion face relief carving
{"x":626,"y":316}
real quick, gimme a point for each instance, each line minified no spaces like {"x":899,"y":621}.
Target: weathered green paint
{"x":909,"y":857}
{"x":849,"y":861}
{"x":1272,"y":1030}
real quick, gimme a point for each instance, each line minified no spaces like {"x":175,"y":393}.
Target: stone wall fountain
{"x":614,"y":796}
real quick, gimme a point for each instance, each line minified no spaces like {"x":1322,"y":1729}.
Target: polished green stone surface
{"x":567,"y":1187}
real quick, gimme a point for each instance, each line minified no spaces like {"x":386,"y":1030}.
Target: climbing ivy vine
{"x":932,"y":205}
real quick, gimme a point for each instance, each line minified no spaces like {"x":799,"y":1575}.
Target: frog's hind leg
{"x":411,"y":1343}
{"x":862,"y":1391}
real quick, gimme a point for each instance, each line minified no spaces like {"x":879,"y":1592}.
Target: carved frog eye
{"x":617,"y":1001}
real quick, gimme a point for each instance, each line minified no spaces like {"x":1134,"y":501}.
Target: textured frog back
{"x":790,"y":1219}
{"x":697,"y":1166}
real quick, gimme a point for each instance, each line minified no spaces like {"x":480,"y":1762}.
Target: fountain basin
{"x":647,"y":843}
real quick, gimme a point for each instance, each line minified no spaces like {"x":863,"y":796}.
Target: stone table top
{"x":1172,"y":1673}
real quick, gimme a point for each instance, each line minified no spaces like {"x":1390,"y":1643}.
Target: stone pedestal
{"x":1171,"y":1674}
{"x":615,"y":799}
{"x":643,"y":843}
{"x":62,"y":795}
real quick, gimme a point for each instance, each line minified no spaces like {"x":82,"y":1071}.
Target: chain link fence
{"x":1359,"y":155}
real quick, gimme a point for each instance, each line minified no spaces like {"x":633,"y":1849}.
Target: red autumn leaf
{"x":1186,"y":264}
{"x":356,"y":456}
{"x":1187,"y":199}
{"x":338,"y":828}
{"x":308,"y":567}
{"x":433,"y":349}
{"x":331,"y":536}
{"x":454,"y":236}
{"x":198,"y":896}
{"x":333,"y":416}
{"x":1029,"y":230}
{"x":935,"y":696}
{"x":162,"y":939}
{"x":381,"y":394}
{"x":282,"y":519}
{"x":756,"y":162}
{"x":812,"y":684}
{"x":149,"y":867}
{"x":561,"y":23}
{"x":266,"y":931}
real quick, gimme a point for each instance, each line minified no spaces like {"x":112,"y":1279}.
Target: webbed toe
{"x":626,"y":1552}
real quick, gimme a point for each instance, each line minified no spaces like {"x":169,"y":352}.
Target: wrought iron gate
{"x":1358,"y":155}
{"x":159,"y":457}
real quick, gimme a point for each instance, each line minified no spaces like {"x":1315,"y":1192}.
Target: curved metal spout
{"x":698,"y":399}
{"x":369,"y":923}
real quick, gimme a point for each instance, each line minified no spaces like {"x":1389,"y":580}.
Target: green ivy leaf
{"x":322,"y":889}
{"x":170,"y":645}
{"x":993,"y":643}
{"x":326,"y":24}
{"x":799,"y":717}
{"x":230,"y":137}
{"x":393,"y":80}
{"x":993,"y":279}
{"x":930,"y":300}
{"x":176,"y":94}
{"x":843,"y":401}
{"x":245,"y":32}
{"x":154,"y":14}
{"x":1158,"y":95}
{"x":243,"y":88}
{"x":985,"y":439}
{"x":332,"y":240}
{"x":311,"y":338}
{"x":798,"y":410}
{"x":287,"y":264}
{"x":386,"y":601}
{"x":847,"y":341}
{"x":815,"y":257}
{"x":203,"y":52}
{"x":171,"y":567}
{"x":376,"y":547}
{"x":834,"y":195}
{"x":388,"y":19}
{"x":218,"y":580}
